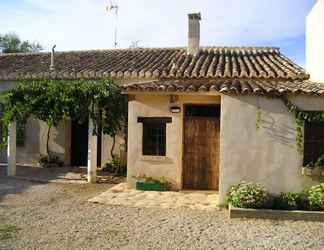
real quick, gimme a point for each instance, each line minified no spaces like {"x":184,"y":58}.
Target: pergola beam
{"x":12,"y":148}
{"x":92,"y":154}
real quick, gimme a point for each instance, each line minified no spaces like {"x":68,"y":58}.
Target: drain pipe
{"x":52,"y":66}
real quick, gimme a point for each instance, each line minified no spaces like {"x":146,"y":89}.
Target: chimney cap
{"x":195,"y":16}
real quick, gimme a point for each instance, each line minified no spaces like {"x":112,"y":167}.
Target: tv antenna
{"x":134,"y":44}
{"x":113,"y":8}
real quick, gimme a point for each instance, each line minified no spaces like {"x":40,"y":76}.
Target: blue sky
{"x":84,"y":24}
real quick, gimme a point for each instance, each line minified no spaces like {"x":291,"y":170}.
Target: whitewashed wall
{"x":267,"y":156}
{"x":170,"y":166}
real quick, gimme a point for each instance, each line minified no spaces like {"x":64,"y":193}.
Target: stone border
{"x":234,"y":212}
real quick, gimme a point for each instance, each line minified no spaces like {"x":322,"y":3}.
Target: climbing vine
{"x":258,"y":118}
{"x":53,"y":100}
{"x":301,"y":116}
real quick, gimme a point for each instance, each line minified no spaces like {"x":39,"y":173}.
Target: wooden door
{"x":201,"y":153}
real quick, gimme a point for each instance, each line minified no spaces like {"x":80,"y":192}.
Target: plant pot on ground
{"x":145,"y":183}
{"x":315,"y":168}
{"x":307,"y":171}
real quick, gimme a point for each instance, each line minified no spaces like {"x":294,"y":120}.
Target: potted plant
{"x":308,"y":170}
{"x":147,"y":183}
{"x":320,"y":165}
{"x":314,"y":168}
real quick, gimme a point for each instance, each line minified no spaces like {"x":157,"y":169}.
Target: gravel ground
{"x":58,"y":216}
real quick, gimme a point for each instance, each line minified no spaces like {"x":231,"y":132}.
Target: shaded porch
{"x":76,"y":175}
{"x":88,"y":170}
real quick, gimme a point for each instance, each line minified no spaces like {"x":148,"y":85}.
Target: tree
{"x":11,"y":43}
{"x":53,"y":100}
{"x":43,"y":100}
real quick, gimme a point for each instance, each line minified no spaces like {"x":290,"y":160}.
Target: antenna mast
{"x":113,"y":8}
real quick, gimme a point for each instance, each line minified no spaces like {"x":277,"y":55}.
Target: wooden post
{"x":92,"y":154}
{"x":11,"y":169}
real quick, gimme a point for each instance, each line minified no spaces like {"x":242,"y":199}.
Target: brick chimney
{"x":194,"y":33}
{"x":315,"y":42}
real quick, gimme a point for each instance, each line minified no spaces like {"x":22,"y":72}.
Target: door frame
{"x":184,"y":107}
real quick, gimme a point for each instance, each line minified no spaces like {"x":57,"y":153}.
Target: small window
{"x":154,"y":135}
{"x":313,"y":141}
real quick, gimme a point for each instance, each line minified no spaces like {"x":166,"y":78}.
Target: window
{"x":313,"y":141}
{"x":154,"y":135}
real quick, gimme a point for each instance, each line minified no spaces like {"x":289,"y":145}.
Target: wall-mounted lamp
{"x":175,"y":109}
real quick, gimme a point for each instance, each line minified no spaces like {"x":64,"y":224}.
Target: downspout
{"x":52,"y":66}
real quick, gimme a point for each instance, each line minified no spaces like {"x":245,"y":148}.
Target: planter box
{"x":147,"y":186}
{"x":312,"y":172}
{"x":234,"y":212}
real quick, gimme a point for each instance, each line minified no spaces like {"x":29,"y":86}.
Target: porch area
{"x":120,"y":195}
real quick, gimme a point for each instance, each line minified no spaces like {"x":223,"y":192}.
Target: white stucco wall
{"x":35,"y":142}
{"x":267,"y":156}
{"x":106,"y":146}
{"x":315,"y":42}
{"x":158,"y":106}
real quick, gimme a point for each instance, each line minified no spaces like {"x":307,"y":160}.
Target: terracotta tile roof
{"x":230,"y":86}
{"x":168,"y":63}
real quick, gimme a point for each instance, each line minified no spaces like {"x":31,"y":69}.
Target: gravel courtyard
{"x":58,"y":216}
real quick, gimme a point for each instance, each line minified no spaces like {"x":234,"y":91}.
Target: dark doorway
{"x":79,"y":144}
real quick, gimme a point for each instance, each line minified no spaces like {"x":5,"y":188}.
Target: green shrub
{"x":316,"y":197}
{"x":249,"y":195}
{"x":52,"y":161}
{"x":287,"y":201}
{"x":303,"y":201}
{"x":115,"y":167}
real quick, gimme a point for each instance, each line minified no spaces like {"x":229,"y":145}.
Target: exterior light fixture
{"x":175,"y":109}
